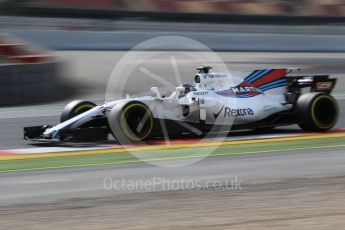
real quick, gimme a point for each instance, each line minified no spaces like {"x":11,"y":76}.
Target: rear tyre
{"x":75,"y":108}
{"x":131,"y":122}
{"x":316,"y":112}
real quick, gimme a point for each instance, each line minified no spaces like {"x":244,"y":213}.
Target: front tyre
{"x":316,"y":112}
{"x":131,"y":122}
{"x":75,"y":108}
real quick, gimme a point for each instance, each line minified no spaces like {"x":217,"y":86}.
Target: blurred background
{"x":53,"y":50}
{"x":234,"y":7}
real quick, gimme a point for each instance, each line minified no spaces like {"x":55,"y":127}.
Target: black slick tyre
{"x":131,"y":122}
{"x":316,"y":112}
{"x":75,"y":108}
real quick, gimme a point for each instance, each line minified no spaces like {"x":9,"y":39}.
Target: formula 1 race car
{"x":216,"y":102}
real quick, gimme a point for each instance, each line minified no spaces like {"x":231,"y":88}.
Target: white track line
{"x":42,"y":150}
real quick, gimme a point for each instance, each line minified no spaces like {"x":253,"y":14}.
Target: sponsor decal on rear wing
{"x":317,"y":83}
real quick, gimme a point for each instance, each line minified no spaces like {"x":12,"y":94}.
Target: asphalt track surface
{"x":287,"y":190}
{"x":290,"y":190}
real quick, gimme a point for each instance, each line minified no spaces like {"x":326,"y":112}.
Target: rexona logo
{"x":229,"y":112}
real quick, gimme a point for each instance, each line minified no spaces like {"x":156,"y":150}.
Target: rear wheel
{"x":316,"y":112}
{"x":75,"y":108}
{"x":131,"y":122}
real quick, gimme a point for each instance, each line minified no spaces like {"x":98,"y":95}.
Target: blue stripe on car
{"x":275,"y":85}
{"x":259,"y":72}
{"x":257,"y":76}
{"x":272,"y":83}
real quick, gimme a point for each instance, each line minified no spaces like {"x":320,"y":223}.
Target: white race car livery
{"x":258,"y":99}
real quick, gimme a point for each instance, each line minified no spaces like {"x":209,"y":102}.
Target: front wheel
{"x":131,"y":123}
{"x":75,"y":108}
{"x":316,"y":112}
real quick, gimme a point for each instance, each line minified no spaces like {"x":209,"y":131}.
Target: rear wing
{"x":317,"y":83}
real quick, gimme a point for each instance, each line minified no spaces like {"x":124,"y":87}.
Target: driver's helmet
{"x":188,"y":88}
